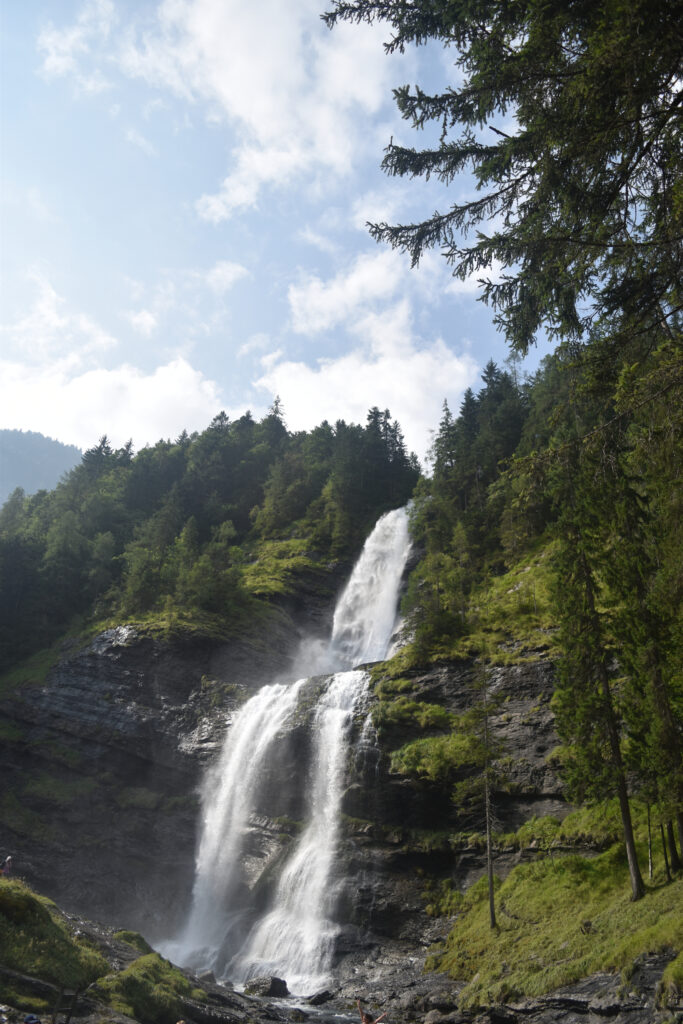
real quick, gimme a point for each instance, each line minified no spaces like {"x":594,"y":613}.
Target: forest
{"x":205,"y":527}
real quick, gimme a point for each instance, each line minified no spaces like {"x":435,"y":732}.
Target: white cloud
{"x":389,"y":367}
{"x":144,"y":322}
{"x":38,"y":208}
{"x":183,"y":294}
{"x":224,"y":274}
{"x":319,"y":241}
{"x":49,"y":329}
{"x":295,"y":95}
{"x":372,"y":279}
{"x":65,"y":49}
{"x":255,"y":343}
{"x":377,"y":207}
{"x":52,"y":379}
{"x":317,"y":305}
{"x":122,"y":402}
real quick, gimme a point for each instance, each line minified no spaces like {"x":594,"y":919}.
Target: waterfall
{"x":294,"y":937}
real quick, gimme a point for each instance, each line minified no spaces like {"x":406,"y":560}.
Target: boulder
{"x":267,"y":985}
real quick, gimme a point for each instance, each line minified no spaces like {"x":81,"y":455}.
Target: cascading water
{"x":295,"y":936}
{"x":296,"y":939}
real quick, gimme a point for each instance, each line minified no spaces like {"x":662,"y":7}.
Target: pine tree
{"x":585,"y":190}
{"x":584,"y":700}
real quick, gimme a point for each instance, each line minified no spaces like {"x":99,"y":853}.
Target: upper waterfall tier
{"x":365,"y":616}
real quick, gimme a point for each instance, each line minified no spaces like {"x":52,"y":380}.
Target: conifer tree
{"x":585,"y":188}
{"x":584,"y":700}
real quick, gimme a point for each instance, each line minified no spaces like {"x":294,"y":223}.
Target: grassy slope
{"x":37,"y":940}
{"x":563,"y":916}
{"x":559,"y":919}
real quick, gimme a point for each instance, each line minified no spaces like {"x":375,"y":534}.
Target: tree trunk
{"x":487,"y":800}
{"x":649,"y":844}
{"x":666,"y":859}
{"x":489,"y":853}
{"x":675,"y":859}
{"x":637,"y":884}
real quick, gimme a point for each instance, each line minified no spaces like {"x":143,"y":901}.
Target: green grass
{"x":596,"y":825}
{"x":11,"y":733}
{"x":277,"y":567}
{"x":559,"y":920}
{"x":148,"y":990}
{"x":403,"y":711}
{"x":436,"y":758}
{"x":671,"y":985}
{"x":509,"y":620}
{"x":135,"y":940}
{"x":35,"y":939}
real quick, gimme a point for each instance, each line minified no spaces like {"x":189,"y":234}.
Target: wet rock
{"x":267,"y":986}
{"x":319,"y":998}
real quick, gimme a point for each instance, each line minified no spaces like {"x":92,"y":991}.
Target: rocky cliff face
{"x":398,"y":828}
{"x":102,"y":766}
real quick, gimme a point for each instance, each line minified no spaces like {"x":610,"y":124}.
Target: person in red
{"x":367,"y":1018}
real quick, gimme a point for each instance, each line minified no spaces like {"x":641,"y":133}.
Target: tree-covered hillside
{"x":206,"y":525}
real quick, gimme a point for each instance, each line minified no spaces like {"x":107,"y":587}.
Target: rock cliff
{"x":102,"y":765}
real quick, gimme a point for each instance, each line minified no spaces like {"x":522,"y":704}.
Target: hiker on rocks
{"x":7,"y":866}
{"x":367,"y":1018}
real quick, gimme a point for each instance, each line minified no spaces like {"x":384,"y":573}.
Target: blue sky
{"x":185,"y":187}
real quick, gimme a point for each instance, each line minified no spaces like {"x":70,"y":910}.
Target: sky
{"x":185,"y":191}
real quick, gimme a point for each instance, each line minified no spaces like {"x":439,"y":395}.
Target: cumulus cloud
{"x":318,"y":305}
{"x":53,"y":379}
{"x":295,"y":95}
{"x":368,"y":282}
{"x":255,"y":343}
{"x":378,"y":206}
{"x":189,"y":296}
{"x":49,"y":329}
{"x":318,"y":240}
{"x":122,"y":402}
{"x":389,"y":367}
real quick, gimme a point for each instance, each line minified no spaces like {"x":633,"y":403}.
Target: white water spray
{"x":295,"y":938}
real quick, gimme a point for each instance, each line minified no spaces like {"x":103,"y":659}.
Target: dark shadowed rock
{"x":319,"y":998}
{"x":267,"y":985}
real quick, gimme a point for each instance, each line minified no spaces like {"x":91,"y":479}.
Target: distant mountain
{"x":33,"y":461}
